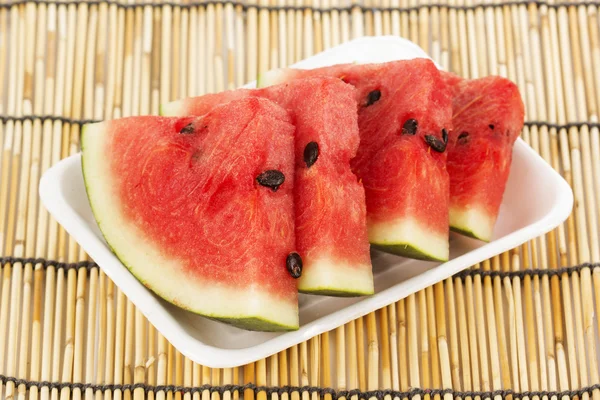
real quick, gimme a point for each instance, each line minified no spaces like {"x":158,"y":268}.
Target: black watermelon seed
{"x":445,"y":135}
{"x":463,"y":138}
{"x":410,"y":127}
{"x":311,"y":154}
{"x":491,"y":126}
{"x":271,"y":179}
{"x":294,"y":265}
{"x":187,"y":130}
{"x":435,"y":143}
{"x":373,"y":97}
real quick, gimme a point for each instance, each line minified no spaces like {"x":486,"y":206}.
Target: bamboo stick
{"x":325,"y":365}
{"x":368,"y":18}
{"x":299,"y":25}
{"x":128,"y":64}
{"x":413,"y":21}
{"x":432,"y":339}
{"x":424,"y":347}
{"x":372,"y":352}
{"x":196,"y":379}
{"x":171,"y":370}
{"x":360,"y":352}
{"x":249,"y":378}
{"x":385,"y":340}
{"x":402,"y":345}
{"x":251,"y":41}
{"x":314,"y":356}
{"x":263,"y":38}
{"x":177,"y":368}
{"x":463,"y":334}
{"x":290,"y":43}
{"x":455,"y":365}
{"x":587,"y":249}
{"x":340,"y":353}
{"x":33,"y":239}
{"x":394,"y":359}
{"x":439,"y":308}
{"x":261,"y":378}
{"x":215,"y":380}
{"x":175,"y":52}
{"x":357,"y":20}
{"x":344,"y":23}
{"x":500,"y":326}
{"x":219,"y":64}
{"x":185,"y":54}
{"x":283,"y":372}
{"x":19,"y":317}
{"x":294,"y":372}
{"x":10,"y":151}
{"x":274,"y":374}
{"x":304,"y":380}
{"x":395,"y":17}
{"x":50,"y":156}
{"x":352,"y":369}
{"x":413,"y":355}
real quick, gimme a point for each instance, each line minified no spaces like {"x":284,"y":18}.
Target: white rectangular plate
{"x":536,"y":200}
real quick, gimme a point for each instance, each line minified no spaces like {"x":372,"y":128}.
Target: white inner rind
{"x":406,"y":231}
{"x":473,"y":220}
{"x":325,"y":274}
{"x":161,"y":274}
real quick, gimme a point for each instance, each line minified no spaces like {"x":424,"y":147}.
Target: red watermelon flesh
{"x":406,"y":181}
{"x":180,"y":201}
{"x":331,"y":232}
{"x":488,"y":115}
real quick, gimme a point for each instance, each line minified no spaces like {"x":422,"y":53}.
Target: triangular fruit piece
{"x":488,"y":115}
{"x":331,"y":231}
{"x":200,"y":209}
{"x":404,"y":117}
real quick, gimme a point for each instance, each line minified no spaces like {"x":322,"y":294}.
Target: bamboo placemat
{"x":521,"y":325}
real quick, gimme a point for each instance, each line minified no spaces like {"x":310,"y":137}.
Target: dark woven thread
{"x":244,"y":6}
{"x":47,"y":263}
{"x":75,"y":121}
{"x":567,"y":126}
{"x":336,"y":394}
{"x":43,"y":118}
{"x":527,"y":272}
{"x":462,"y":275}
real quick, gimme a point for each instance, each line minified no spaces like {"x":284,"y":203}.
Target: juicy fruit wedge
{"x":488,"y":117}
{"x":404,"y":117}
{"x":331,"y":226}
{"x":185,"y":205}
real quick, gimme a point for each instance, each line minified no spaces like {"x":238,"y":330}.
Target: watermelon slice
{"x":404,"y":117}
{"x":488,"y":115}
{"x":331,"y":231}
{"x":200,"y":209}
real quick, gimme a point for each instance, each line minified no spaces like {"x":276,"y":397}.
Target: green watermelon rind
{"x":324,"y":291}
{"x":467,"y":232}
{"x":408,"y":238}
{"x":250,"y":322}
{"x":408,"y":251}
